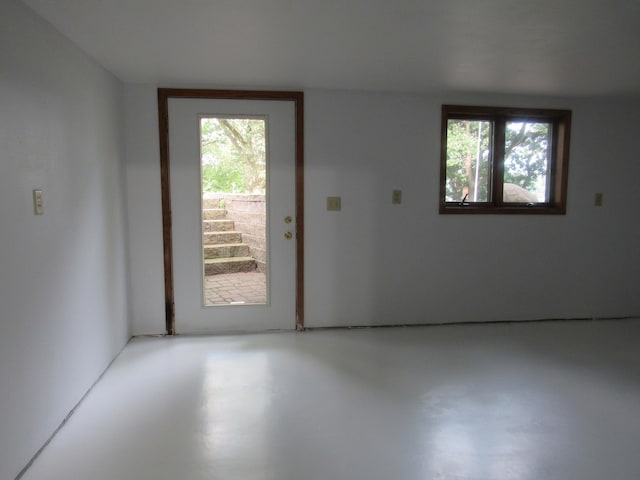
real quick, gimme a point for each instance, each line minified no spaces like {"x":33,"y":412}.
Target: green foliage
{"x":467,"y":142}
{"x":468,"y":168}
{"x":223,"y":177}
{"x":233,"y":155}
{"x":526,"y":153}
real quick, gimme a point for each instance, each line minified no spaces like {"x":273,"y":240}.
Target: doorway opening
{"x":179,"y":111}
{"x":233,"y":172}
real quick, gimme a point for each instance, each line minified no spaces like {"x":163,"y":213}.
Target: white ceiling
{"x":557,"y":47}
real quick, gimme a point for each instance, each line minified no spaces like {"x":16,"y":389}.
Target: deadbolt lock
{"x":288,"y":219}
{"x":288,"y":235}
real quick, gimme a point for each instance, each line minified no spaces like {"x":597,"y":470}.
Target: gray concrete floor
{"x":551,"y":400}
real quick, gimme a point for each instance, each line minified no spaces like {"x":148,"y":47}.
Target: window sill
{"x":487,"y":209}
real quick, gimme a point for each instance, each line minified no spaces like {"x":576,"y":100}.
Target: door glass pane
{"x":234,"y":211}
{"x":468,"y":168}
{"x":526,"y":162}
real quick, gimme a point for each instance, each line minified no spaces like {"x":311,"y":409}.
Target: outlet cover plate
{"x":598,"y":198}
{"x":334,"y":204}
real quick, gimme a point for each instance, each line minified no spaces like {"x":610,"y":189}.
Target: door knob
{"x":288,"y":235}
{"x":288,"y":219}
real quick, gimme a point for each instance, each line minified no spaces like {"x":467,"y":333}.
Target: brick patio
{"x":248,"y":288}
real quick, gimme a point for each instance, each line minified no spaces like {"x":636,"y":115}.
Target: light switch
{"x":396,"y":197}
{"x":38,"y":206}
{"x":334,"y":204}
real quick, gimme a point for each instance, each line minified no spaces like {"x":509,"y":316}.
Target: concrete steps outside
{"x":224,"y":251}
{"x":212,"y":203}
{"x":216,"y":238}
{"x":214,"y":214}
{"x":229,"y":250}
{"x":218,"y":226}
{"x":216,"y":266}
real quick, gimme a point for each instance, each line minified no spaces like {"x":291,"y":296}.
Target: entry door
{"x":193,"y":276}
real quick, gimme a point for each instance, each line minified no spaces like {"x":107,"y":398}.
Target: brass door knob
{"x":288,"y":219}
{"x":288,"y":235}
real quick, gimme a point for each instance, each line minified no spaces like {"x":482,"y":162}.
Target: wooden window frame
{"x":558,"y":169}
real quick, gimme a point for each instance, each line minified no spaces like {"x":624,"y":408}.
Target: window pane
{"x":526,"y":162}
{"x":233,"y":154}
{"x":468,"y":170}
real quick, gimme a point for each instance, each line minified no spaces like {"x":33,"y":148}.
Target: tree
{"x":468,"y":160}
{"x":233,"y":155}
{"x":469,"y":144}
{"x":526,"y":153}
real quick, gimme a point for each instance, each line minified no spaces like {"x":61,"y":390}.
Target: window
{"x":504,"y":160}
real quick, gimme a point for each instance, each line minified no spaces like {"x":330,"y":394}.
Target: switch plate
{"x":396,"y":197}
{"x":597,"y":201}
{"x":38,"y":206}
{"x":334,"y":204}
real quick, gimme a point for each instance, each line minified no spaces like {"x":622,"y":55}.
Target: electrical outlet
{"x":598,"y":199}
{"x":334,"y":204}
{"x":396,"y":197}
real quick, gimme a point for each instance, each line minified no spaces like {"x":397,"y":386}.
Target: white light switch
{"x":38,"y":206}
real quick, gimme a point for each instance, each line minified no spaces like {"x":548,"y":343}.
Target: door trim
{"x":164,"y":94}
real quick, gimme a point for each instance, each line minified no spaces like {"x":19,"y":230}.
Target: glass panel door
{"x":233,"y":166}
{"x":233,"y":214}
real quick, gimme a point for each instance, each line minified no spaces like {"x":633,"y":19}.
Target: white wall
{"x":63,"y":280}
{"x":377,"y":263}
{"x":144,"y":209}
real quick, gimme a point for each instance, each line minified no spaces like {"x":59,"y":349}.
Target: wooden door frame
{"x":164,"y":94}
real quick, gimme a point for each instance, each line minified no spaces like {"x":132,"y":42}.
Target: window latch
{"x":462,"y":202}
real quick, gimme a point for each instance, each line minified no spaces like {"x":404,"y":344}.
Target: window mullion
{"x":497,"y":187}
{"x":553,"y":165}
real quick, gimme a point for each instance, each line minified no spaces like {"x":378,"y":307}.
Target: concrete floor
{"x":552,"y":400}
